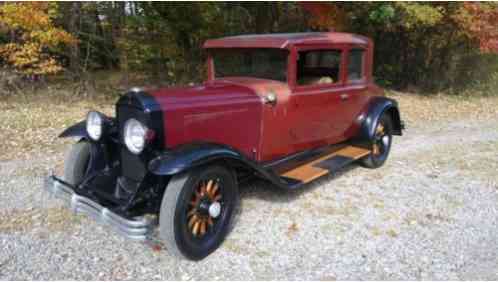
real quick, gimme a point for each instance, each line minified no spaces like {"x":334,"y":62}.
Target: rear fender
{"x":377,"y":107}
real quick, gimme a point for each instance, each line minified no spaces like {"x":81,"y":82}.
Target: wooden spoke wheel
{"x":381,"y":139}
{"x":381,"y":143}
{"x":205,"y":207}
{"x":196,"y":211}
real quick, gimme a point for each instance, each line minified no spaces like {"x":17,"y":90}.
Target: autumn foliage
{"x":432,"y":46}
{"x":481,"y":22}
{"x":34,"y":40}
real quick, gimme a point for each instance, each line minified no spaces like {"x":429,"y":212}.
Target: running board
{"x":324,"y":164}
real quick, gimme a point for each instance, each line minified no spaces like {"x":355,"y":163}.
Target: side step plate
{"x":324,"y":165}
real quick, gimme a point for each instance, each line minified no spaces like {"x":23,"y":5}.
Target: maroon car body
{"x":304,"y":116}
{"x":287,"y":108}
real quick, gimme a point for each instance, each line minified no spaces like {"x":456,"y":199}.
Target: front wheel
{"x":381,"y":143}
{"x":196,"y":211}
{"x":76,"y":163}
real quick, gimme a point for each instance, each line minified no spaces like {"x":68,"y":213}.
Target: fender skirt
{"x":376,"y":108}
{"x":76,"y":130}
{"x":192,"y":155}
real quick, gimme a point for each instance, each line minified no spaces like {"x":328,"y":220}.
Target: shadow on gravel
{"x":263,"y":190}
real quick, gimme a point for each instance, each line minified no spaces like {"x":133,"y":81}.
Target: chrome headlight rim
{"x":134,"y":135}
{"x":95,"y":125}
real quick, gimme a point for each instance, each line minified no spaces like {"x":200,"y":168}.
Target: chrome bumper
{"x":139,"y":228}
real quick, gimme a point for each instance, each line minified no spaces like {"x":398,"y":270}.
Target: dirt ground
{"x":430,"y":213}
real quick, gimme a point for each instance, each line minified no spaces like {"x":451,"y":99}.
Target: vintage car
{"x":286,"y":108}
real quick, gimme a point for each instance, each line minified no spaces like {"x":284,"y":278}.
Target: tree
{"x":34,"y":40}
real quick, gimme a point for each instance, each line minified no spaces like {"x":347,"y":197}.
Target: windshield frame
{"x":212,"y":69}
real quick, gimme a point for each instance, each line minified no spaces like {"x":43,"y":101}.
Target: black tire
{"x":177,"y":211}
{"x":383,"y":140}
{"x":76,"y":163}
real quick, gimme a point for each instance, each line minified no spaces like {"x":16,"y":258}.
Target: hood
{"x":221,"y":90}
{"x":226,"y":111}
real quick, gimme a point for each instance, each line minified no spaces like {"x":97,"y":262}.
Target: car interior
{"x":318,"y":67}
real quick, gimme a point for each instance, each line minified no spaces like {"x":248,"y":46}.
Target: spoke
{"x":380,"y":129}
{"x":375,"y":150}
{"x":209,"y":186}
{"x":191,"y":212}
{"x":192,"y":221}
{"x":217,"y":198}
{"x":215,"y":189}
{"x":197,"y":225}
{"x":210,"y":221}
{"x":203,"y":227}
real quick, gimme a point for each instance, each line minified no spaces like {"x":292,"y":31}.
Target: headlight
{"x":134,"y":135}
{"x":94,"y":124}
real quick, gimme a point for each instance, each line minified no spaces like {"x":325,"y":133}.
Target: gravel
{"x":430,"y":213}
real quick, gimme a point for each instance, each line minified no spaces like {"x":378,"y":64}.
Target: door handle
{"x":270,"y":99}
{"x":344,"y":96}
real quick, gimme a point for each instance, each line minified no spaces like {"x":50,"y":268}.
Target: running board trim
{"x":326,"y":164}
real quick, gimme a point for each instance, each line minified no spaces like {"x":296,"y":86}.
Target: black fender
{"x":376,"y":108}
{"x":76,"y":130}
{"x":191,"y":155}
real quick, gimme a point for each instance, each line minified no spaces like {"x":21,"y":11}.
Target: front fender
{"x":76,"y":130}
{"x":377,"y":107}
{"x":192,"y":155}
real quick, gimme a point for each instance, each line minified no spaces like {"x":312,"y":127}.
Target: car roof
{"x":285,"y":40}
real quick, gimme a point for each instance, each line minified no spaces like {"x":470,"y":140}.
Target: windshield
{"x":259,"y":63}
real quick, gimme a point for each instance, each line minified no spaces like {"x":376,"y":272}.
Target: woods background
{"x":103,"y":47}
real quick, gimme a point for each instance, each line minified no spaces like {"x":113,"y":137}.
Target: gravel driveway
{"x":430,"y":213}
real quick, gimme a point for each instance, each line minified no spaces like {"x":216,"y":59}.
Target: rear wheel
{"x":76,"y":163}
{"x":197,"y":210}
{"x":381,"y":143}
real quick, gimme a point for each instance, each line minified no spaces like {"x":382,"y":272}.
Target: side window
{"x":355,"y":65}
{"x":318,"y":67}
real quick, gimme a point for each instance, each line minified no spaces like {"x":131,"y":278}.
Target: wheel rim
{"x":205,"y":208}
{"x":382,"y":140}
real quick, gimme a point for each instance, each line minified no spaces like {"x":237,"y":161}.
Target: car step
{"x":323,"y":165}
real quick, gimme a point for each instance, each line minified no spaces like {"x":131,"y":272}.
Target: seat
{"x":315,"y":80}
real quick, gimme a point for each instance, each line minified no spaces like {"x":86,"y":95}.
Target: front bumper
{"x":139,"y":228}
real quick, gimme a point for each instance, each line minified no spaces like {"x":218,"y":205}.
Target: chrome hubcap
{"x":215,"y":209}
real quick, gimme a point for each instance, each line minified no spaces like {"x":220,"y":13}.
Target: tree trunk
{"x":73,"y":27}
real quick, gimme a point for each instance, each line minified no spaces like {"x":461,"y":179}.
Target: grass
{"x":30,"y":123}
{"x":418,"y":110}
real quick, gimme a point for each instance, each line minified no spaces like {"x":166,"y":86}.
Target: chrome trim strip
{"x":139,"y":228}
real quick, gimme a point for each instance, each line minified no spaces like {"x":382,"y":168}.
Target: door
{"x":355,"y":89}
{"x":318,"y":101}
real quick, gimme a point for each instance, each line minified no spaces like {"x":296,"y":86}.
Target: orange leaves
{"x":326,"y":16}
{"x":29,"y":59}
{"x":480,"y":21}
{"x":34,"y":37}
{"x":27,"y":16}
